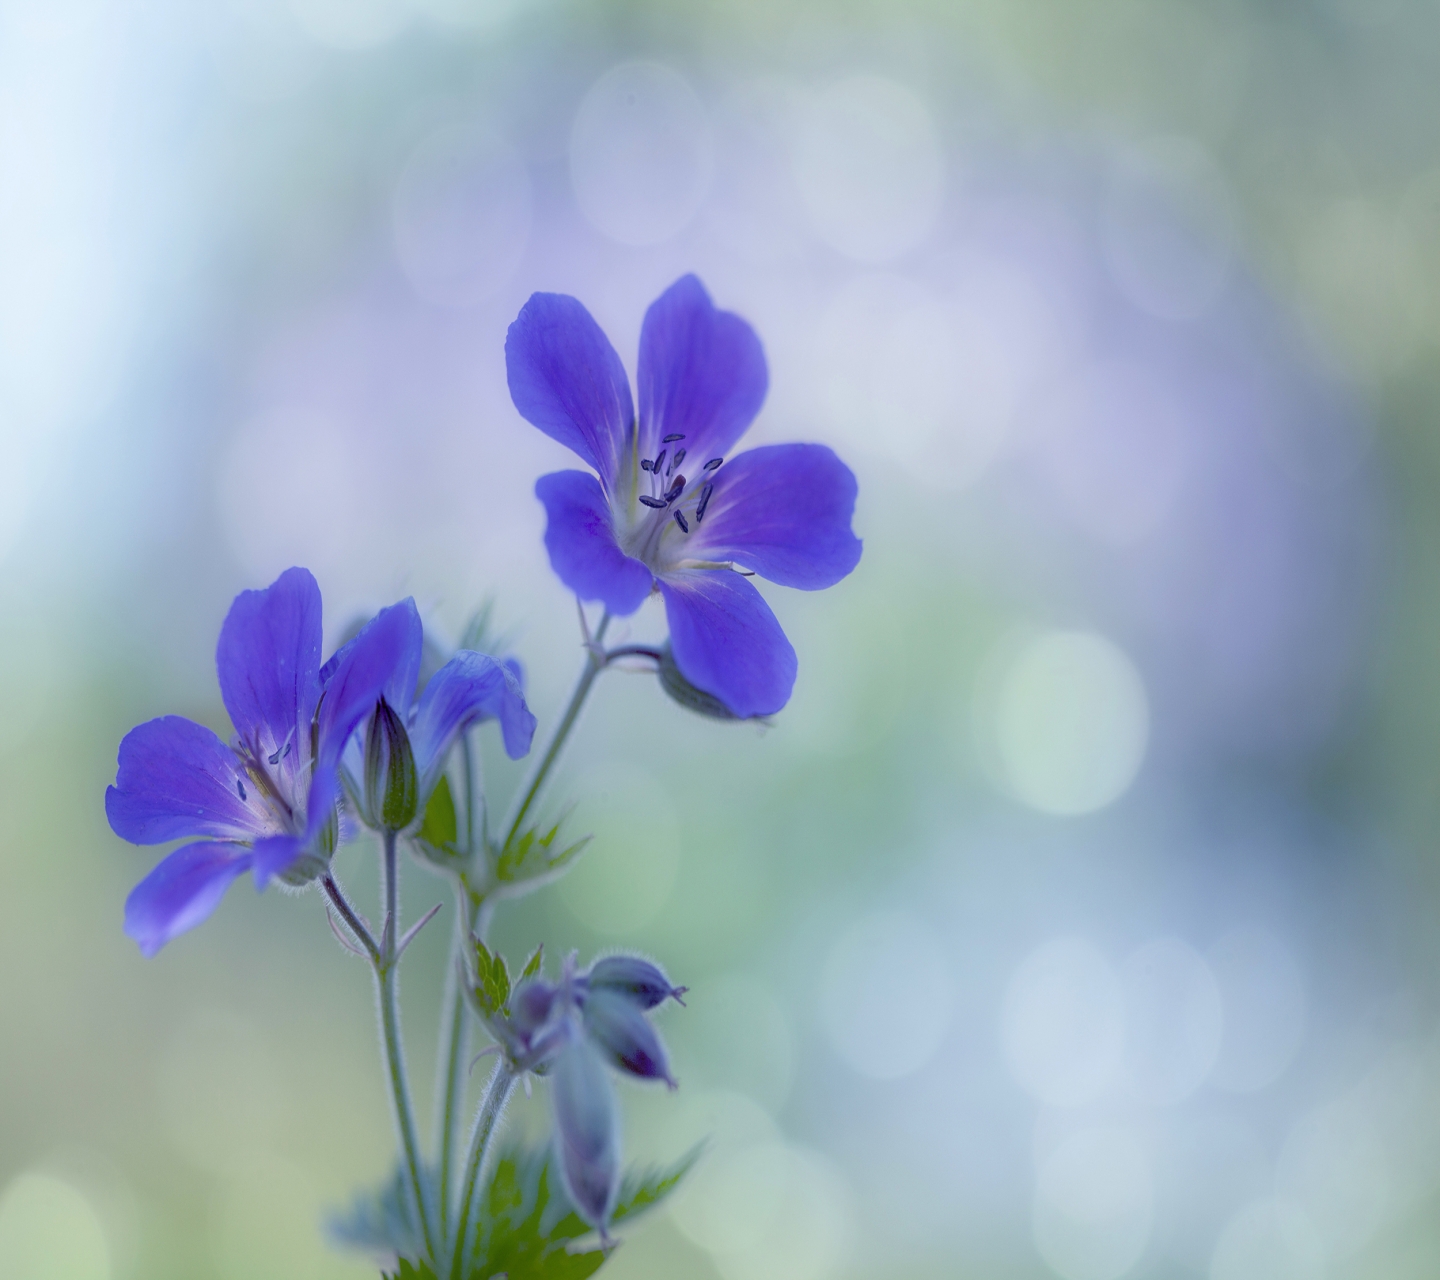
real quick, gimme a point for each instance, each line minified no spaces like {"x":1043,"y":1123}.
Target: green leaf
{"x":535,"y":857}
{"x":491,"y":991}
{"x":410,"y":1271}
{"x":439,"y":827}
{"x":645,"y":1188}
{"x":532,"y":965}
{"x":382,"y":1222}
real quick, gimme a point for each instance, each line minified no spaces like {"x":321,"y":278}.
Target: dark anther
{"x":674,"y":490}
{"x":659,"y":462}
{"x":680,"y":520}
{"x":240,"y":787}
{"x":713,"y":463}
{"x":653,"y":502}
{"x":704,"y":502}
{"x":645,"y":464}
{"x":673,"y":436}
{"x":679,"y":458}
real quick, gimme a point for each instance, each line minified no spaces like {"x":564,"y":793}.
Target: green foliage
{"x":534,"y":857}
{"x":532,"y":965}
{"x":383,"y":1222}
{"x":439,"y":827}
{"x":409,"y":1271}
{"x":491,"y":989}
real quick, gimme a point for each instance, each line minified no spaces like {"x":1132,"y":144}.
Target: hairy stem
{"x":595,"y":659}
{"x":497,"y":1093}
{"x":350,"y":916}
{"x":386,"y":978}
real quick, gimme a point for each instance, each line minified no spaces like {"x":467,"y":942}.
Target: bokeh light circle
{"x":1063,"y":1023}
{"x":641,"y":154}
{"x":1268,"y":1240}
{"x":1094,"y":1200}
{"x":886,"y":995}
{"x":1173,"y":1021}
{"x":48,"y":1231}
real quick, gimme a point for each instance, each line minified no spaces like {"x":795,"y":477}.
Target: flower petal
{"x":784,"y":511}
{"x":702,"y":374}
{"x":268,"y":660}
{"x":383,"y":659}
{"x":469,"y":688}
{"x":181,"y":892}
{"x":624,"y":1036}
{"x":587,"y":1138}
{"x":566,"y":379}
{"x":274,"y":856}
{"x":727,"y":642}
{"x":177,"y":779}
{"x":581,"y":541}
{"x":400,"y":684}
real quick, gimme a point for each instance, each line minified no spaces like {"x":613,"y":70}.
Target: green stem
{"x":595,"y":659}
{"x":496,"y":1095}
{"x":386,"y":976}
{"x":454,"y":1028}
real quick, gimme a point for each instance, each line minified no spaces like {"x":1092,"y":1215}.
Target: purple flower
{"x":670,"y":510}
{"x":469,"y":689}
{"x":267,"y":803}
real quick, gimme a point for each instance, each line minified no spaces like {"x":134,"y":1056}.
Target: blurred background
{"x":1076,"y":919}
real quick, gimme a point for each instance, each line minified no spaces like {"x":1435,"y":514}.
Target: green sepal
{"x":392,"y":787}
{"x":437,"y":840}
{"x":680,"y":690}
{"x":490,"y":990}
{"x":532,"y":965}
{"x":535,"y":857}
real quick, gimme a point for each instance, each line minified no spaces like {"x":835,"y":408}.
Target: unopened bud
{"x":587,"y":1137}
{"x":623,"y":1034}
{"x":639,"y":980}
{"x":392,"y":787}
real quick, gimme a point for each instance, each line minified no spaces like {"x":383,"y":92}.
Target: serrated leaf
{"x":410,"y":1271}
{"x":382,"y":1222}
{"x":532,"y":965}
{"x":439,"y":827}
{"x":643,"y":1189}
{"x":491,"y":991}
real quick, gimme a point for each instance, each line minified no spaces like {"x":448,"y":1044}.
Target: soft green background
{"x":229,"y":343}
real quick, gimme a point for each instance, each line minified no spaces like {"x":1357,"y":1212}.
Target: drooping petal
{"x":702,"y":375}
{"x":784,"y":511}
{"x":274,"y":856}
{"x":623,"y":1034}
{"x":181,"y":892}
{"x":268,"y":660}
{"x":727,"y":642}
{"x":635,"y":978}
{"x":581,"y":541}
{"x":566,"y":379}
{"x":587,"y":1137}
{"x":177,"y":779}
{"x":469,"y":688}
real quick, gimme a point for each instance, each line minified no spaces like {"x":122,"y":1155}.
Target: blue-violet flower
{"x":670,"y":511}
{"x":268,"y":802}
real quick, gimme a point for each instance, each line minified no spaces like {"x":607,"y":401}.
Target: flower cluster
{"x":367,"y":741}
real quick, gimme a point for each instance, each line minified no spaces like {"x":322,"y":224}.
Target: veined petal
{"x":566,"y":379}
{"x":177,"y":779}
{"x":581,"y":541}
{"x":702,"y":375}
{"x":727,"y":642}
{"x":784,"y":511}
{"x":268,"y":660}
{"x":384,"y":656}
{"x":400,"y":684}
{"x":181,"y":892}
{"x":469,"y":688}
{"x":587,"y":1138}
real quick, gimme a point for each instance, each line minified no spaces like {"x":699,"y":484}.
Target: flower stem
{"x":386,"y":977}
{"x":497,"y":1092}
{"x":595,"y":659}
{"x":454,"y":1030}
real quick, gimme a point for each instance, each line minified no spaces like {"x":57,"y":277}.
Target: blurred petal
{"x":582,"y":546}
{"x":727,"y":642}
{"x":566,"y":379}
{"x":702,"y":374}
{"x":177,"y":779}
{"x":783,"y":511}
{"x":274,"y":856}
{"x":587,"y":1137}
{"x":621,"y":1031}
{"x":181,"y":892}
{"x":637,"y":979}
{"x":268,"y":660}
{"x":469,"y":688}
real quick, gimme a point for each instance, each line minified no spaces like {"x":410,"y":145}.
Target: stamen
{"x":680,"y":520}
{"x":659,"y":461}
{"x":645,"y":464}
{"x":653,"y":502}
{"x":240,"y":787}
{"x":704,"y":502}
{"x":679,"y":458}
{"x":674,"y":490}
{"x":713,"y":463}
{"x":673,"y":436}
{"x":283,"y":749}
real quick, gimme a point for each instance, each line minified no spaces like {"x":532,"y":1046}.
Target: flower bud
{"x":587,"y":1136}
{"x":530,"y":1006}
{"x":392,"y":787}
{"x":686,"y":694}
{"x":622,"y":1033}
{"x":638,"y":979}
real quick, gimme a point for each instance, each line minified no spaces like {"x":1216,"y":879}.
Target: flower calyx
{"x":392,"y":785}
